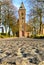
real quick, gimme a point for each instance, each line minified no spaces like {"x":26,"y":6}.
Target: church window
{"x":21,"y":7}
{"x":22,"y":14}
{"x":22,"y":17}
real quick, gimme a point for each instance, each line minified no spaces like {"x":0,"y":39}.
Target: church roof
{"x":22,"y":6}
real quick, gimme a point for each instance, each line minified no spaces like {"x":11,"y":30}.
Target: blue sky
{"x":17,"y":3}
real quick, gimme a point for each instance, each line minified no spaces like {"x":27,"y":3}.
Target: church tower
{"x":22,"y":14}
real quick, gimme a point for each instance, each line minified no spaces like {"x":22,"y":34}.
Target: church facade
{"x":22,"y":14}
{"x":22,"y":21}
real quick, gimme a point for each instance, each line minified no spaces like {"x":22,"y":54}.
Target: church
{"x":22,"y":21}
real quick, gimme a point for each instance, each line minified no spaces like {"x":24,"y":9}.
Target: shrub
{"x":39,"y":37}
{"x":3,"y":34}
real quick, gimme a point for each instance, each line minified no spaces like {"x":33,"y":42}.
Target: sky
{"x":17,"y":3}
{"x":28,"y":7}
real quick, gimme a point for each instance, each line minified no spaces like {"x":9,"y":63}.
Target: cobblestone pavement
{"x":21,"y":51}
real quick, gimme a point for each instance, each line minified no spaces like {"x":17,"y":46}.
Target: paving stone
{"x":21,"y":51}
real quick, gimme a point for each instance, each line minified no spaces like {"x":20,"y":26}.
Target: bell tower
{"x":22,"y":14}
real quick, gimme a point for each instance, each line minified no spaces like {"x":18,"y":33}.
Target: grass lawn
{"x":4,"y":35}
{"x":41,"y":36}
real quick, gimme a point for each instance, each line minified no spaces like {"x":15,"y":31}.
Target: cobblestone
{"x":21,"y":51}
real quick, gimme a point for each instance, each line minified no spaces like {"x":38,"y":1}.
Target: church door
{"x":22,"y":33}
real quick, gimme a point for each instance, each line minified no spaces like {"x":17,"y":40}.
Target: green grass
{"x":4,"y":35}
{"x":39,"y":36}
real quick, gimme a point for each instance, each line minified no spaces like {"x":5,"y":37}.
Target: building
{"x":42,"y":29}
{"x":22,"y":22}
{"x":23,"y":26}
{"x":22,"y":14}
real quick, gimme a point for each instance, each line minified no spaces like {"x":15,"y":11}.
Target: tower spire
{"x":22,"y":12}
{"x":22,"y":6}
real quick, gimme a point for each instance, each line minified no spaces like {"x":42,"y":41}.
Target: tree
{"x":39,"y":11}
{"x":28,"y":27}
{"x":16,"y":28}
{"x":9,"y":14}
{"x":35,"y":11}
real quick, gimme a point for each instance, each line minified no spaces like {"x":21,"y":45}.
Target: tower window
{"x":22,"y":14}
{"x":21,"y":7}
{"x":22,"y":17}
